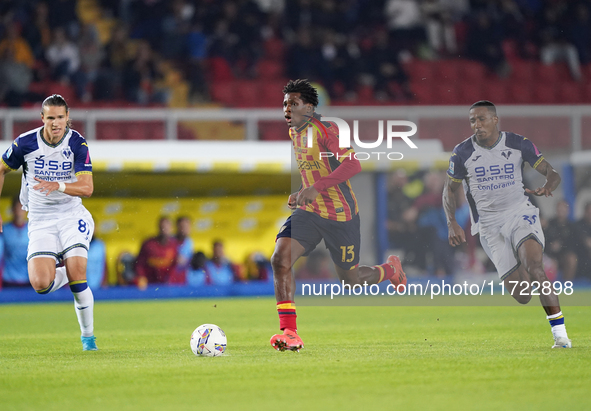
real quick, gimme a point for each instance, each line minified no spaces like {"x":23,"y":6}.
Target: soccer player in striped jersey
{"x":489,"y":164}
{"x":324,"y":208}
{"x":57,"y":171}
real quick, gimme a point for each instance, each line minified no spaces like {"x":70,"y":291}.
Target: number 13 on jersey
{"x":348,"y":253}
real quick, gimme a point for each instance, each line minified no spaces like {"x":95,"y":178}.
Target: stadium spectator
{"x":146,"y":18}
{"x":562,"y":241}
{"x":515,"y":26}
{"x":20,"y":50}
{"x":38,"y":31}
{"x":140,"y":76}
{"x":218,"y":269}
{"x":257,"y":267}
{"x":185,"y":250}
{"x":117,"y":52}
{"x":580,"y":32}
{"x":195,"y":67}
{"x":484,"y":44}
{"x":175,"y":27}
{"x":62,"y":14}
{"x":433,"y":225}
{"x":554,"y":44}
{"x":15,"y":240}
{"x":196,"y":276}
{"x":303,"y":56}
{"x":63,"y":57}
{"x":383,"y":64}
{"x":91,"y":57}
{"x":440,"y":16}
{"x":401,"y":223}
{"x":317,"y":267}
{"x":157,"y":258}
{"x":405,"y":23}
{"x":97,"y":263}
{"x":584,"y":249}
{"x":16,"y":78}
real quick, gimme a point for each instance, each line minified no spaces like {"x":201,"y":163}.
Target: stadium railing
{"x":554,"y":127}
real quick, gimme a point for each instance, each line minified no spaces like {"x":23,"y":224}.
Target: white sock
{"x":61,"y":279}
{"x":557,"y":324}
{"x":84,"y":303}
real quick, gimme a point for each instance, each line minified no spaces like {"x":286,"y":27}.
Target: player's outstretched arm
{"x":81,"y":188}
{"x":456,"y":234}
{"x":3,"y":171}
{"x":552,"y":180}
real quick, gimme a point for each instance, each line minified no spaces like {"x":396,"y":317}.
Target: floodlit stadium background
{"x":205,"y":135}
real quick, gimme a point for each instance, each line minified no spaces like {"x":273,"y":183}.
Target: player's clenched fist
{"x":307,"y":196}
{"x":292,"y":201}
{"x":456,"y":234}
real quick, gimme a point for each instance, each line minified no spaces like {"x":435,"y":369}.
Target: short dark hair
{"x":182,"y":217}
{"x":485,"y":103}
{"x":308,"y":93}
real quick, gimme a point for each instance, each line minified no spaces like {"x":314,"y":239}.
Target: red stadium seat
{"x":470,"y":91}
{"x":420,"y":70}
{"x":570,"y":93}
{"x":472,"y":71}
{"x":274,"y":49}
{"x":223,"y":92}
{"x":522,"y":70}
{"x":247,"y":94}
{"x":496,"y":91}
{"x":66,"y":91}
{"x":545,"y":93}
{"x":510,"y":50}
{"x":424,"y":93}
{"x":586,"y":93}
{"x":547,"y":73}
{"x":520,"y":93}
{"x":447,"y":94}
{"x":447,"y":71}
{"x":219,"y":69}
{"x":365,"y":96}
{"x":270,"y":69}
{"x":271,"y":93}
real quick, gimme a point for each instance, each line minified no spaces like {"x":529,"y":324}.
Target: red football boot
{"x":289,"y":340}
{"x":399,"y":277}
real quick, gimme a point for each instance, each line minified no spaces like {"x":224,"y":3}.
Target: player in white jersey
{"x":57,"y":171}
{"x":489,"y":165}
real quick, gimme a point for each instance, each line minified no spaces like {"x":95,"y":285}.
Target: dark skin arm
{"x":456,"y":235}
{"x":552,"y":180}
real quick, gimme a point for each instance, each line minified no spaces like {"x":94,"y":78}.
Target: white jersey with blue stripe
{"x":60,"y":162}
{"x":493,"y":177}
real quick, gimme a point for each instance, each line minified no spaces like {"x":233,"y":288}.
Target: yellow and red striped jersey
{"x":338,"y":202}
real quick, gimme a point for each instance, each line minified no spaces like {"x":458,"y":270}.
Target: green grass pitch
{"x":382,"y":358}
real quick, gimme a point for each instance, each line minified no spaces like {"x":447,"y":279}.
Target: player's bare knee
{"x":280,"y":262}
{"x":522,"y":298}
{"x":351,"y":281}
{"x":536,"y":272}
{"x":41,"y":282}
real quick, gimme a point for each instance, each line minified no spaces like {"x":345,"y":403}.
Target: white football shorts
{"x":501,"y":247}
{"x":61,"y":238}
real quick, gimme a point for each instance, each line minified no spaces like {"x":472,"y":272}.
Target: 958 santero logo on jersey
{"x":494,"y":173}
{"x":52,"y":169}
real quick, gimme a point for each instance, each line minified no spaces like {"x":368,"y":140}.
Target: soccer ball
{"x":208,"y":340}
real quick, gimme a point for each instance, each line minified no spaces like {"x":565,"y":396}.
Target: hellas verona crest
{"x":66,"y":152}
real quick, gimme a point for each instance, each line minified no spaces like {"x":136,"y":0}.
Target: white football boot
{"x":562,"y":342}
